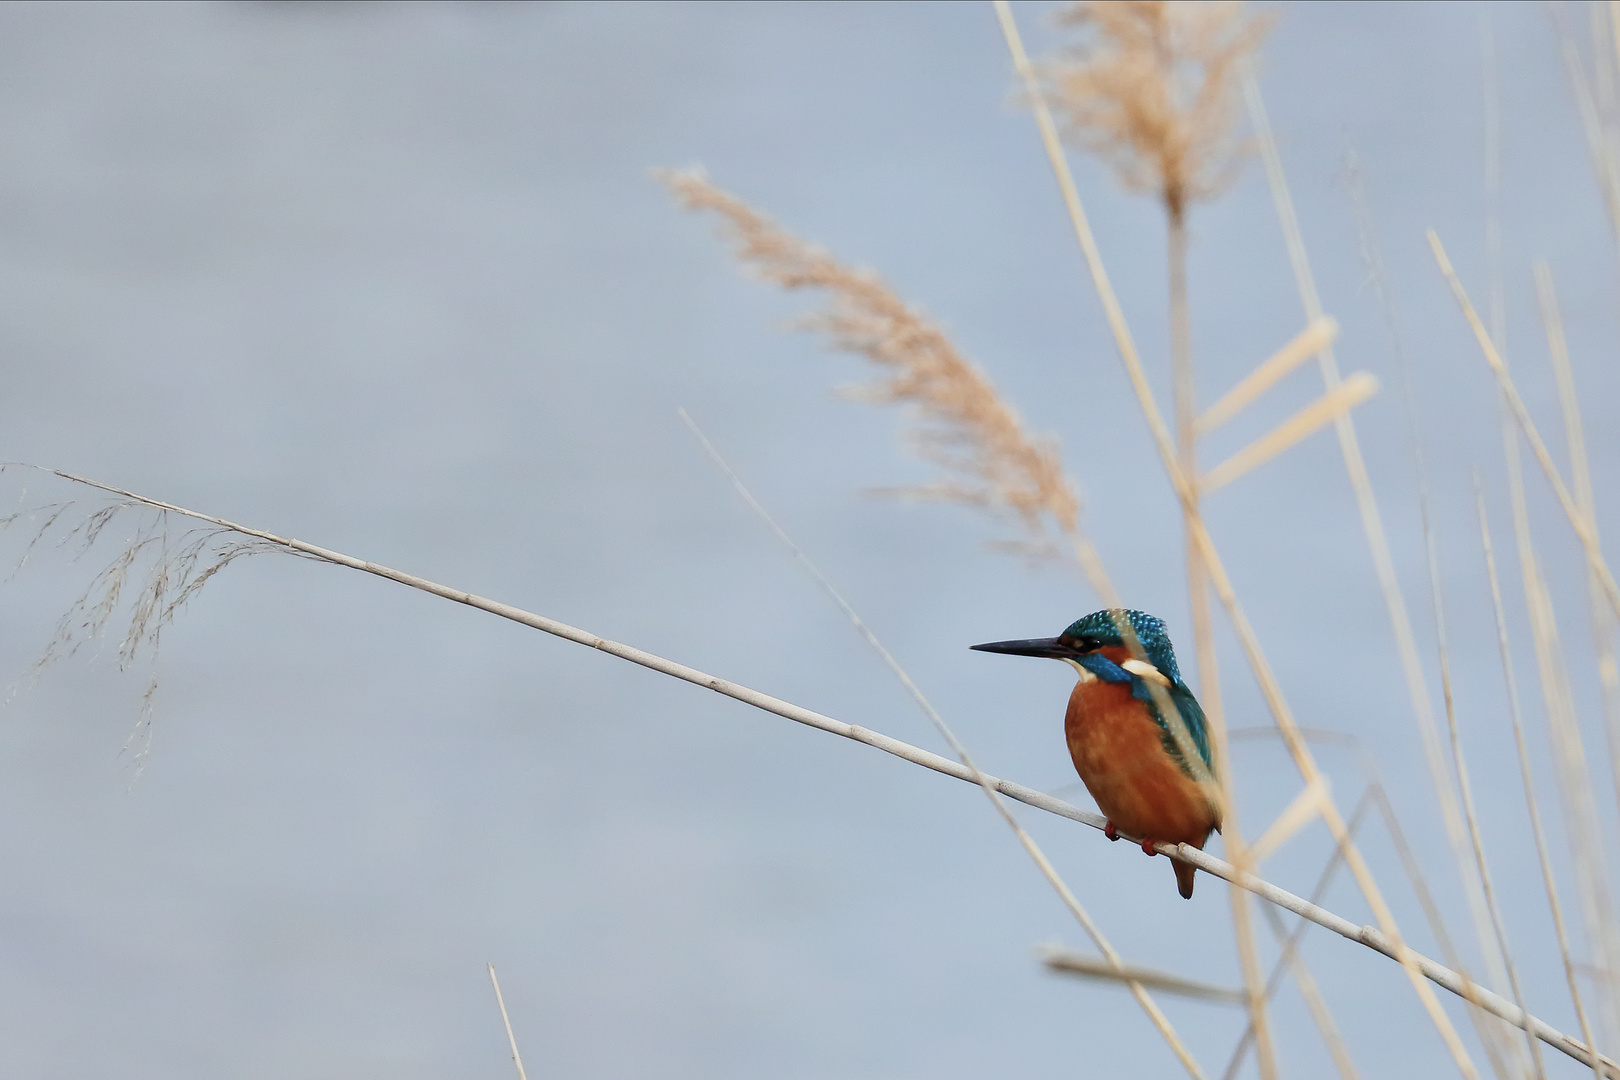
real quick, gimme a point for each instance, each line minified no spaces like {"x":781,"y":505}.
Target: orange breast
{"x":1117,"y":751}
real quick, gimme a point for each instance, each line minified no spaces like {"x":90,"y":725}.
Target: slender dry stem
{"x":517,"y":1059}
{"x":1365,"y":935}
{"x":1532,"y":807}
{"x":1581,"y":477}
{"x":1183,"y":486}
{"x":1115,"y":964}
{"x":1572,"y":510}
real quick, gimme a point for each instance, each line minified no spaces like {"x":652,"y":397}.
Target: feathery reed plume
{"x":1152,"y":87}
{"x":170,"y":568}
{"x":988,"y":458}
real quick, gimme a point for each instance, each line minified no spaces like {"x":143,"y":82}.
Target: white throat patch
{"x":1085,"y":675}
{"x":1146,"y":671}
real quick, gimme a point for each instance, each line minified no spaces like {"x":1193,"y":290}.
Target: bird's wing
{"x":1192,"y":714}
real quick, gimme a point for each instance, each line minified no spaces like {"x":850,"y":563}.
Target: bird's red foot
{"x":1109,"y":830}
{"x":1147,"y":847}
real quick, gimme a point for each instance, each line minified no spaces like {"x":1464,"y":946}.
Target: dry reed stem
{"x":1569,"y":755}
{"x":1452,"y":814}
{"x":1377,"y":795}
{"x":1310,"y":341}
{"x":1581,"y":476}
{"x":1597,"y":145}
{"x":1602,"y":625}
{"x":1316,"y":1004}
{"x":1302,"y":425}
{"x":1532,"y":807}
{"x":1150,"y":88}
{"x":1304,"y":809}
{"x":1066,"y":962}
{"x":1364,"y":935}
{"x":1464,"y":835}
{"x":1288,"y":958}
{"x":1490,"y":87}
{"x":1182,"y":485}
{"x":1594,"y":554}
{"x":1465,"y":788}
{"x":1115,"y":964}
{"x":517,"y":1058}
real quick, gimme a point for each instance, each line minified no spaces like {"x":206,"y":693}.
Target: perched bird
{"x":1121,"y":742}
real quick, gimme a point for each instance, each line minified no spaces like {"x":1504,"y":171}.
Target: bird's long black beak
{"x":1050,"y":647}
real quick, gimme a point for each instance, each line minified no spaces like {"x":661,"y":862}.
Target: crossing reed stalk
{"x":1138,"y":986}
{"x":1182,"y":485}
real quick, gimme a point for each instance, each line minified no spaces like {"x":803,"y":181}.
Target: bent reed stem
{"x":1368,"y":936}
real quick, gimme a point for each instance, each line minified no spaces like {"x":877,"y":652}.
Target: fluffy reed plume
{"x":1151,"y":86}
{"x":989,"y":460}
{"x":171,"y":567}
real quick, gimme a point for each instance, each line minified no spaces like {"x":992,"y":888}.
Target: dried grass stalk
{"x":1526,"y":777}
{"x":1111,"y":962}
{"x":1149,"y":86}
{"x":1182,"y":483}
{"x":1387,"y":945}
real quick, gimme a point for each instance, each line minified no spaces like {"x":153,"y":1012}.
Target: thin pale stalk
{"x":1137,"y":986}
{"x":517,"y":1059}
{"x":1290,"y":943}
{"x":1488,"y":1032}
{"x":1481,"y":907}
{"x":1183,"y":487}
{"x":1310,"y":341}
{"x":1531,"y":806}
{"x":1581,"y":476}
{"x":1329,"y":408}
{"x":1209,"y":686}
{"x":1321,"y":1015}
{"x":1515,"y":403}
{"x":1366,"y":935}
{"x":1586,"y":109}
{"x":1066,"y":962}
{"x":1575,"y":785}
{"x":1371,"y":521}
{"x":1569,"y":755}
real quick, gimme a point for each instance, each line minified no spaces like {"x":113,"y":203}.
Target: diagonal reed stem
{"x":1533,"y":809}
{"x":1365,"y":935}
{"x":1577,"y":520}
{"x":517,"y":1059}
{"x":1137,"y":986}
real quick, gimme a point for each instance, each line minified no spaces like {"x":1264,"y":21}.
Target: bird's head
{"x":1105,"y":631}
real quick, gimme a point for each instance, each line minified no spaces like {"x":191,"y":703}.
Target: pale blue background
{"x":394,"y":279}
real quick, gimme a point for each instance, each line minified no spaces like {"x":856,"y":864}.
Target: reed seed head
{"x":1151,"y":86}
{"x":989,"y":460}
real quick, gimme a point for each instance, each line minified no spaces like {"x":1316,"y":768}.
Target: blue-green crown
{"x":1103,"y":628}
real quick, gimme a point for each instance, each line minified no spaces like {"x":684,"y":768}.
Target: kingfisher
{"x":1122,"y":745}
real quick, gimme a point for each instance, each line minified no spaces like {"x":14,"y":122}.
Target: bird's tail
{"x":1184,"y":877}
